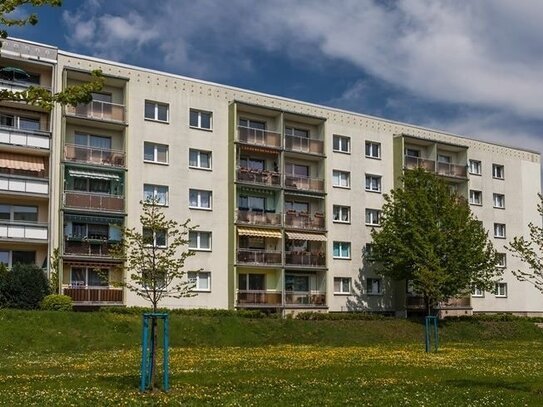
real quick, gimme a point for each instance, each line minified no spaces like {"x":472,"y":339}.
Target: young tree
{"x":34,"y":95}
{"x":530,"y":251}
{"x":154,"y":257}
{"x":429,"y":236}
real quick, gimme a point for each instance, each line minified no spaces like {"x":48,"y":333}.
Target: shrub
{"x":197,"y":312}
{"x":56,"y":302}
{"x":338,"y":316}
{"x":24,"y":286}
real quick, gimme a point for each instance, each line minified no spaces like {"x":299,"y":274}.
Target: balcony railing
{"x":94,"y":294}
{"x":305,"y":259}
{"x":302,"y":220}
{"x":304,"y":183}
{"x":98,"y":110}
{"x":258,"y":297}
{"x":29,"y":185}
{"x":452,"y":170}
{"x":259,"y":177}
{"x":248,"y":217}
{"x":88,"y":200}
{"x":416,"y":162}
{"x":304,"y":298}
{"x":83,"y":247}
{"x":463,"y":302}
{"x":23,"y":230}
{"x":259,"y":137}
{"x":304,"y":145}
{"x":17,"y":86}
{"x":93,"y":155}
{"x":255,"y":256}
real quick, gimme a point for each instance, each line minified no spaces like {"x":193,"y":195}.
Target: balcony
{"x":305,"y":298}
{"x":259,"y":177}
{"x":23,"y":230}
{"x":259,"y":137}
{"x":88,"y":247}
{"x":93,"y":201}
{"x":303,"y":220}
{"x":411,"y":162}
{"x":94,"y":295}
{"x":248,"y":217}
{"x":17,"y":85}
{"x":257,"y":298}
{"x":30,"y":185}
{"x":452,"y":170}
{"x":304,"y":145}
{"x":26,"y":138}
{"x":305,"y":259}
{"x":463,"y":302}
{"x":259,"y":257}
{"x":98,"y":110}
{"x":304,"y":183}
{"x":94,"y":155}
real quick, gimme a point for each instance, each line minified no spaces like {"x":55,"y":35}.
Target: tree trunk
{"x":153,"y":351}
{"x":428,"y":305}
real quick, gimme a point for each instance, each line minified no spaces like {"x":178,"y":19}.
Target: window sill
{"x":341,"y":187}
{"x":373,"y":191}
{"x":475,"y":173}
{"x":200,"y":209}
{"x":374,"y":225}
{"x":374,"y":294}
{"x":499,"y":207}
{"x":199,"y":250}
{"x":201,"y":128}
{"x":341,"y":258}
{"x":477,"y":296}
{"x":499,"y":237}
{"x":372,"y":157}
{"x":342,"y":152}
{"x":155,"y":162}
{"x":475,"y":204}
{"x":200,"y":168}
{"x":501,"y":179}
{"x":342,"y":222}
{"x":343,"y":294}
{"x":148,"y":119}
{"x":501,"y":296}
{"x":201,"y":291}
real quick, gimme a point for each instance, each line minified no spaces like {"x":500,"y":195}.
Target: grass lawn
{"x":499,"y":364}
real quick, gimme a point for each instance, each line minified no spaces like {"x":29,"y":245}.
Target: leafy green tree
{"x":23,"y":286}
{"x":530,"y":251}
{"x":429,"y":236}
{"x":35,"y":95}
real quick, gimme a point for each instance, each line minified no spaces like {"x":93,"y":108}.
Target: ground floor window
{"x":296,"y":283}
{"x":250,"y":281}
{"x":89,"y":277}
{"x":342,"y":285}
{"x":201,"y":280}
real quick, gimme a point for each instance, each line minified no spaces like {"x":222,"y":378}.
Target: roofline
{"x":282,"y":98}
{"x":40,"y":44}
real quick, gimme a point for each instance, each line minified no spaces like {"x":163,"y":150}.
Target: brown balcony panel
{"x":305,"y":299}
{"x":305,"y":259}
{"x":304,"y":145}
{"x":301,"y":221}
{"x":259,"y":177}
{"x":258,"y":218}
{"x":265,"y":257}
{"x":415,"y":302}
{"x":416,"y":162}
{"x":452,"y":170}
{"x":258,"y":298}
{"x":87,"y":248}
{"x":94,"y":295}
{"x":91,"y":155}
{"x":98,"y":110}
{"x":304,"y":183}
{"x":94,"y":201}
{"x":464,"y":302}
{"x":259,"y":137}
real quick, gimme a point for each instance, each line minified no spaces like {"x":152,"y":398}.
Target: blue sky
{"x":469,"y":67}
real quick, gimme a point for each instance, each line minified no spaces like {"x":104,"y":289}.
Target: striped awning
{"x":257,"y":149}
{"x":93,"y":174}
{"x":314,"y":237}
{"x":22,"y":162}
{"x":291,"y":193}
{"x":276,"y":234}
{"x":93,"y":219}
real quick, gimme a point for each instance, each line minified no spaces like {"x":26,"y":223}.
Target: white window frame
{"x":342,"y":245}
{"x":371,"y":178}
{"x":380,"y":286}
{"x":498,"y":227}
{"x":343,"y":177}
{"x":199,"y":160}
{"x":477,"y":292}
{"x":343,"y":280}
{"x":86,"y":282}
{"x":198,"y":241}
{"x":155,"y":244}
{"x":195,"y":277}
{"x":343,"y":142}
{"x":374,"y":150}
{"x":156,"y":105}
{"x":501,"y":290}
{"x":498,"y":171}
{"x":199,"y":125}
{"x":155,"y":153}
{"x":372,"y":214}
{"x":341,"y":209}
{"x":199,"y":193}
{"x":155,"y":193}
{"x":472,"y":194}
{"x":499,"y":201}
{"x":10,"y":256}
{"x":502,"y":257}
{"x":475,"y":167}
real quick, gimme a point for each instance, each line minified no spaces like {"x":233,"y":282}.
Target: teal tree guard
{"x":430,"y":330}
{"x":146,"y":346}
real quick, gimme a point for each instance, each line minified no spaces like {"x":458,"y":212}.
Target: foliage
{"x":11,"y":6}
{"x":430,"y":237}
{"x":195,"y":312}
{"x":530,"y":251}
{"x":23,"y":286}
{"x":54,"y":270}
{"x":338,"y":316}
{"x":56,"y":302}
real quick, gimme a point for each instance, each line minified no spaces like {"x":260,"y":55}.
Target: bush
{"x":56,"y":302}
{"x":197,"y":312}
{"x":338,"y":316}
{"x":24,"y":286}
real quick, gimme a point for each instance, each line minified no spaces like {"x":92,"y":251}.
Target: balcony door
{"x":89,"y":148}
{"x":251,"y":282}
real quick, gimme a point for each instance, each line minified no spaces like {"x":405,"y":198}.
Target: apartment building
{"x":285,"y":193}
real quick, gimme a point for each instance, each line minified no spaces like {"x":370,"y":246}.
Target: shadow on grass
{"x":494,"y":384}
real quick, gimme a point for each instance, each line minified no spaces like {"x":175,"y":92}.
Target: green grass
{"x":49,"y":358}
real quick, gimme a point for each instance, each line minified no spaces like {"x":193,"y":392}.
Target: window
{"x":157,"y":111}
{"x":200,"y":119}
{"x":373,"y":217}
{"x":502,"y":260}
{"x":89,"y":140}
{"x":90,"y":231}
{"x":253,"y":203}
{"x":475,"y":197}
{"x":19,"y":213}
{"x":499,"y":230}
{"x":341,"y":179}
{"x":11,"y":257}
{"x":373,"y":183}
{"x":200,"y":279}
{"x":155,"y":153}
{"x":342,"y":214}
{"x":156,"y":238}
{"x":477,"y":292}
{"x":411,"y":152}
{"x":155,"y":193}
{"x":89,"y":276}
{"x":368,"y":251}
{"x":501,"y":290}
{"x":499,"y":201}
{"x":258,"y":164}
{"x":497,"y":171}
{"x":299,"y":133}
{"x":252,"y":124}
{"x":200,"y":159}
{"x":342,"y":285}
{"x":199,"y":240}
{"x":342,"y":144}
{"x":298,"y":283}
{"x":342,"y":250}
{"x":373,"y":149}
{"x":253,"y":282}
{"x":295,"y":170}
{"x":199,"y":199}
{"x":475,"y":167}
{"x":374,"y":286}
{"x":441,"y":158}
{"x":100,"y":186}
{"x":297,"y":206}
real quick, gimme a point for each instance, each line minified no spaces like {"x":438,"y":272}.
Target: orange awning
{"x":22,"y":162}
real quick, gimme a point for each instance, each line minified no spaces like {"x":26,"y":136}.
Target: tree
{"x":155,"y":258}
{"x":22,"y":286}
{"x":530,"y":251}
{"x":34,"y":95}
{"x":429,"y":237}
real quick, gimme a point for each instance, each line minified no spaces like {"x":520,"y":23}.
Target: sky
{"x":473,"y":68}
